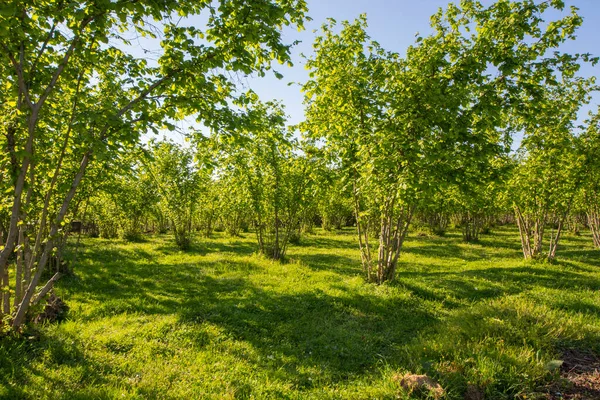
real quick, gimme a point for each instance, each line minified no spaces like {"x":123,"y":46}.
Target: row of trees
{"x":387,"y":138}
{"x":265,"y":180}
{"x":229,"y":182}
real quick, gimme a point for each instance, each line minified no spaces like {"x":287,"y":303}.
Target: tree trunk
{"x":363,"y":236}
{"x":554,"y":240}
{"x":524,"y":233}
{"x":391,"y":238}
{"x":593,"y":219}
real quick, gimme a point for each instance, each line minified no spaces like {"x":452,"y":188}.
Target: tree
{"x":590,"y":187}
{"x":261,"y":151}
{"x":179,"y":181}
{"x":549,"y":171}
{"x":332,"y":199}
{"x":125,"y":199}
{"x":345,"y":106}
{"x":478,"y":194}
{"x":235,"y":202}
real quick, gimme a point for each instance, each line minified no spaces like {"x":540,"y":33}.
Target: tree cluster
{"x":388,"y":139}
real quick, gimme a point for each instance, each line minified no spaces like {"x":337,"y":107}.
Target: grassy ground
{"x":147,"y":321}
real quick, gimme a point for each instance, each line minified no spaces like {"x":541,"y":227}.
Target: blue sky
{"x":394,"y":23}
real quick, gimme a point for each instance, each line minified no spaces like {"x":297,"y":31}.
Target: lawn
{"x":149,"y":321}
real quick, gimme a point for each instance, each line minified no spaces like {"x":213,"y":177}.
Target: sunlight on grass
{"x":149,"y":321}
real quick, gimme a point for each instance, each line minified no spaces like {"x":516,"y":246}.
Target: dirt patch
{"x":579,"y":377}
{"x":420,"y":383}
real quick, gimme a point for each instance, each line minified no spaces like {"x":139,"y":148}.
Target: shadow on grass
{"x":453,"y":292}
{"x":587,"y":255}
{"x":18,"y":363}
{"x":329,"y":262}
{"x":459,"y":288}
{"x":451,"y":246}
{"x":206,"y":246}
{"x":578,"y":306}
{"x":538,"y":275}
{"x":295,"y":328}
{"x":448,"y":250}
{"x":320,"y":242}
{"x":341,"y":335}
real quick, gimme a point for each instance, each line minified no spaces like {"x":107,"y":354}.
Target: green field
{"x":149,"y":321}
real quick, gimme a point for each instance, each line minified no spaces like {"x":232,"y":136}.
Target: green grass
{"x":148,"y":321}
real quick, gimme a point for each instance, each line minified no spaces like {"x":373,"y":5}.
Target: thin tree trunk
{"x":25,"y":303}
{"x":362,"y":241}
{"x":538,"y":238}
{"x":5,"y":282}
{"x":391,"y":240}
{"x":47,"y":287}
{"x":19,"y":271}
{"x":27,"y":266}
{"x":13,"y":228}
{"x":76,"y":251}
{"x":594,"y":224}
{"x":523,"y":233}
{"x":554,"y":241}
{"x":401,"y":231}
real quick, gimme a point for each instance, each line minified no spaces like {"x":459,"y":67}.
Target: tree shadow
{"x":206,"y":246}
{"x":587,"y":267}
{"x":18,"y":358}
{"x":341,"y":332}
{"x":329,"y":262}
{"x":328,"y":243}
{"x":425,"y":293}
{"x":537,"y":275}
{"x":459,"y":288}
{"x":577,"y":306}
{"x":448,"y":251}
{"x":127,"y":284}
{"x":587,"y":255}
{"x":502,"y":238}
{"x":451,"y":246}
{"x":342,"y":335}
